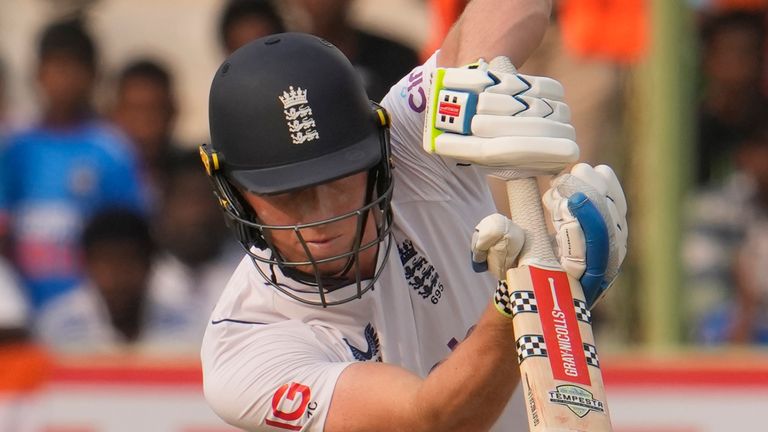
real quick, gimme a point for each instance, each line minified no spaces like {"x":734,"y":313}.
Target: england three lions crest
{"x":298,"y":115}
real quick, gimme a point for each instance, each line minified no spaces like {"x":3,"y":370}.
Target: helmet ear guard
{"x":230,"y":200}
{"x":383,"y":122}
{"x":382,"y":116}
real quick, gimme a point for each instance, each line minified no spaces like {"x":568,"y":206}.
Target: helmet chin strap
{"x":332,"y":283}
{"x":329,"y":283}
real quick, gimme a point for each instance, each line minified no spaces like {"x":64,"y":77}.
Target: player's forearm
{"x":490,"y":28}
{"x":471,"y":388}
{"x":467,"y":392}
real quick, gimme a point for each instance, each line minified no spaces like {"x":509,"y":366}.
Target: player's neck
{"x":63,"y":119}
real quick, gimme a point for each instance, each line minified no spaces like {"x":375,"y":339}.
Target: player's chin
{"x":333,"y":268}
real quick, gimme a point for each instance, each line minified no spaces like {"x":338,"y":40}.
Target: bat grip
{"x":525,"y":202}
{"x":526,"y":211}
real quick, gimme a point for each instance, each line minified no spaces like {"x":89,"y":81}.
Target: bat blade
{"x":559,"y":367}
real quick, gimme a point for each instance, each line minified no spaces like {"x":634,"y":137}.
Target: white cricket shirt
{"x":270,"y":363}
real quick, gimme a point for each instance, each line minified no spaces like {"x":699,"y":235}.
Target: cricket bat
{"x":559,"y":367}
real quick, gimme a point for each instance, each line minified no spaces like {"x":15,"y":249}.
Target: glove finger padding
{"x":618,"y":209}
{"x":539,"y":87}
{"x":491,"y":126}
{"x":499,"y":119}
{"x":523,"y":106}
{"x":496,"y":241}
{"x":536,"y":154}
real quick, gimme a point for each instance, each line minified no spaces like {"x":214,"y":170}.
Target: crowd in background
{"x":111,"y":239}
{"x":111,"y":234}
{"x":725,"y":247}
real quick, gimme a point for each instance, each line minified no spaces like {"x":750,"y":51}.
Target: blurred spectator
{"x":25,"y":365}
{"x":4,"y":252}
{"x":725,"y":249}
{"x":14,"y":310}
{"x":751,"y":279}
{"x":197,"y":255}
{"x":245,"y":20}
{"x":57,"y":174}
{"x":381,"y":62}
{"x":4,"y":222}
{"x":136,"y":299}
{"x":145,"y":109}
{"x":109,"y":310}
{"x":732,"y":103}
{"x":2,"y":101}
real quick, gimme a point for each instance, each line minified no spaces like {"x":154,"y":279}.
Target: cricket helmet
{"x":286,"y":112}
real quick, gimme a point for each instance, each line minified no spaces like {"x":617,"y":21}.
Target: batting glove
{"x":502,"y":120}
{"x":589,"y":213}
{"x":496,"y":243}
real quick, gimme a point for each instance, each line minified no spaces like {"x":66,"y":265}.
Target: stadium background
{"x":631,"y":73}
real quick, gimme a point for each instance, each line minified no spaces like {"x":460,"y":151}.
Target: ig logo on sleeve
{"x":290,"y":403}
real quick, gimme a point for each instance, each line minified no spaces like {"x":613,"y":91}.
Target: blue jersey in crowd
{"x":51,"y":182}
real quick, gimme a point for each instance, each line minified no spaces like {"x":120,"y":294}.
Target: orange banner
{"x":614,"y":30}
{"x":25,"y":368}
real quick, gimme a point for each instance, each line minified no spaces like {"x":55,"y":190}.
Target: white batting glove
{"x":496,"y":243}
{"x":496,"y":119}
{"x":583,"y":249}
{"x":589,"y":213}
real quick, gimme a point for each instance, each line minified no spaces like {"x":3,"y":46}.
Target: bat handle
{"x":525,"y":202}
{"x":527,"y":213}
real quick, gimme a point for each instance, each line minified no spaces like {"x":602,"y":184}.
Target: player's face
{"x":315,"y":204}
{"x":145,"y":112}
{"x":120,"y":270}
{"x":735,"y":58}
{"x":66,"y":84}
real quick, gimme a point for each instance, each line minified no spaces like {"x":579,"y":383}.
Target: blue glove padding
{"x":596,"y":238}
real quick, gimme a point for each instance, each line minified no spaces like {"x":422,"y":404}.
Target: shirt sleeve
{"x":268,"y":377}
{"x":422,"y":176}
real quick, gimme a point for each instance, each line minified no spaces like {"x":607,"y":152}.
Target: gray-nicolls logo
{"x":298,"y":115}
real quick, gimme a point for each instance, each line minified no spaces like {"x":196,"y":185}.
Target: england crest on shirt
{"x":422,"y":276}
